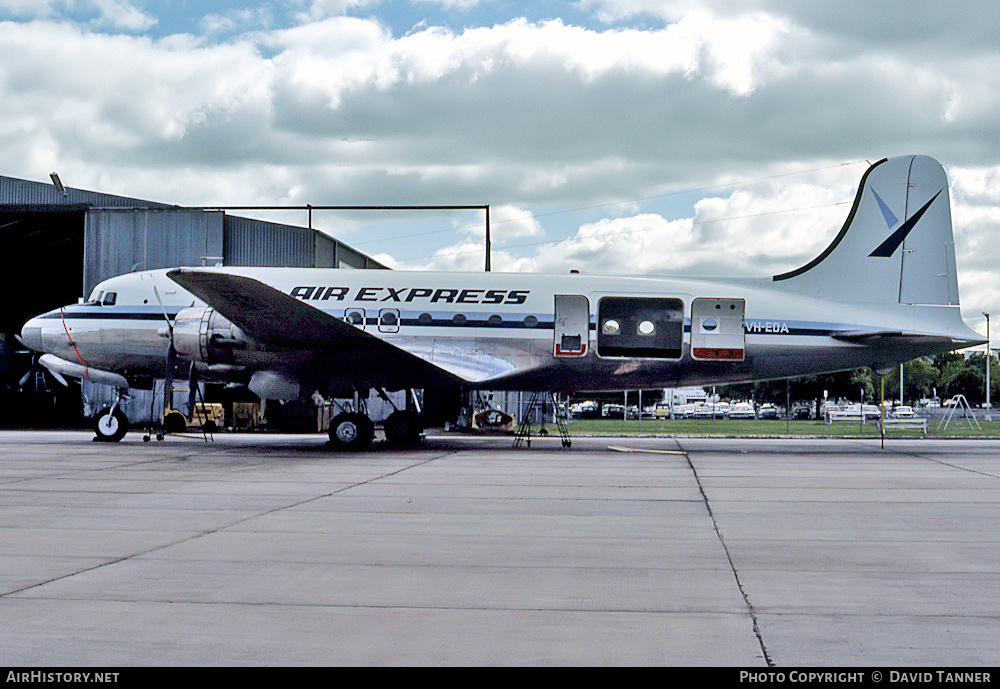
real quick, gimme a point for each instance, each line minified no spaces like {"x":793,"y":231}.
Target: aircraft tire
{"x":110,"y":426}
{"x":402,"y":428}
{"x":351,"y":431}
{"x":174,"y":422}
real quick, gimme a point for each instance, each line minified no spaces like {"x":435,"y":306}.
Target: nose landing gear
{"x":111,"y":424}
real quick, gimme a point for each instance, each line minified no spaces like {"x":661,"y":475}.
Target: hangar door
{"x":42,"y":270}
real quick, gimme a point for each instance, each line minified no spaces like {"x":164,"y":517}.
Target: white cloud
{"x":322,"y":9}
{"x":248,"y":19}
{"x":529,"y":117}
{"x":509,"y":222}
{"x":119,"y":14}
{"x":114,"y":14}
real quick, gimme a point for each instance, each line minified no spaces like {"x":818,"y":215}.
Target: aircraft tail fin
{"x":897,"y":245}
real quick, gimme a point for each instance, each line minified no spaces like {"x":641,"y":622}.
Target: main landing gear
{"x":353,"y":430}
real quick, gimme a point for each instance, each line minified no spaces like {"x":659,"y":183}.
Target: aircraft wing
{"x":281,"y":321}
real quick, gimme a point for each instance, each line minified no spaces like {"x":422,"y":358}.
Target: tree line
{"x":942,"y":376}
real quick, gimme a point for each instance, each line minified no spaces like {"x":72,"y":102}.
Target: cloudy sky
{"x":713,"y":137}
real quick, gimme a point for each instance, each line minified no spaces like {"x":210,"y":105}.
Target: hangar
{"x":60,"y":242}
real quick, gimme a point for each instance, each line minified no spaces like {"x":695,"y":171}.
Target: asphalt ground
{"x":273,"y":550}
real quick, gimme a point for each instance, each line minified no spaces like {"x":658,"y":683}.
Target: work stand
{"x":523,"y":434}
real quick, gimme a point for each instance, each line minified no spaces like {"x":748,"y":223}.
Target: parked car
{"x":662,"y":411}
{"x":871,"y":411}
{"x":683,"y":411}
{"x":904,"y":412}
{"x":584,"y":410}
{"x":741,"y":410}
{"x":613,"y":411}
{"x":767,"y":411}
{"x":701,"y":411}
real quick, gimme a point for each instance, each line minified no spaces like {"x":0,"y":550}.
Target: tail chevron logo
{"x":889,"y":246}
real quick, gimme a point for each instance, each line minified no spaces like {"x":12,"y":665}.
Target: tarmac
{"x":273,"y":550}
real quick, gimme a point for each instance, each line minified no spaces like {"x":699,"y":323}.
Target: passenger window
{"x":355,"y":317}
{"x":388,"y":321}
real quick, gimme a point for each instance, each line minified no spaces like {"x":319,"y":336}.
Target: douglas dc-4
{"x":884,"y":291}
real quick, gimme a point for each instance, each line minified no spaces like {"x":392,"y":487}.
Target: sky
{"x":692,"y":137}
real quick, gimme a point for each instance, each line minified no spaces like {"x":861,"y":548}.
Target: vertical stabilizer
{"x":897,"y":245}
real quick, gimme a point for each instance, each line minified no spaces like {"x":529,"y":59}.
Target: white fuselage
{"x":507,"y":331}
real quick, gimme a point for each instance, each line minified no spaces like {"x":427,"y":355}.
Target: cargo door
{"x":572,"y":325}
{"x":640,"y":327}
{"x":717,"y":331}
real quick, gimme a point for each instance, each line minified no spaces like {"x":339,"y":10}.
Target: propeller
{"x":35,"y":367}
{"x":171,"y":364}
{"x":171,"y":359}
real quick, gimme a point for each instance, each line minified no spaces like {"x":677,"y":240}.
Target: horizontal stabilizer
{"x":870,"y":337}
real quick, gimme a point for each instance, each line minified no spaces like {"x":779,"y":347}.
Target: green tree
{"x":920,"y":378}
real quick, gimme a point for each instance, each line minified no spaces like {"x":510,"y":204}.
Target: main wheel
{"x":402,"y":428}
{"x":351,"y":431}
{"x":110,"y":426}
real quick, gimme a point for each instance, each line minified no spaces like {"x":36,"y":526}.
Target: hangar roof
{"x":243,"y":241}
{"x":22,"y":192}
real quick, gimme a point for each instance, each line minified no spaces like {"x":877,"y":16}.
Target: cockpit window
{"x":95,"y":298}
{"x":109,"y":298}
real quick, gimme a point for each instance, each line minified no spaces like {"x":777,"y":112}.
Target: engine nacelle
{"x":201,"y":334}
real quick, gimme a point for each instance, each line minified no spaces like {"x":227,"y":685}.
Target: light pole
{"x":987,"y":366}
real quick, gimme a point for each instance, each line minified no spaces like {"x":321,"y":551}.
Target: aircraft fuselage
{"x":511,"y":331}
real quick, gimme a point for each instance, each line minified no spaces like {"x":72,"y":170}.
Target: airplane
{"x":883,"y":292}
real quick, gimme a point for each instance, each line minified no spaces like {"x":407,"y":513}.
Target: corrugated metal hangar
{"x":60,"y":242}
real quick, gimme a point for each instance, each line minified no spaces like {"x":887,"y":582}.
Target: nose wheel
{"x":110,"y":424}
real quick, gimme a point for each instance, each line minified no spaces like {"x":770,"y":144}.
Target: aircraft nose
{"x":31,"y":334}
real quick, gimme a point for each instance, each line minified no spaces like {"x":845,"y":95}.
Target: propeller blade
{"x":31,"y":369}
{"x":171,"y":361}
{"x":168,"y":377}
{"x":192,"y":390}
{"x":170,"y":326}
{"x":59,"y":378}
